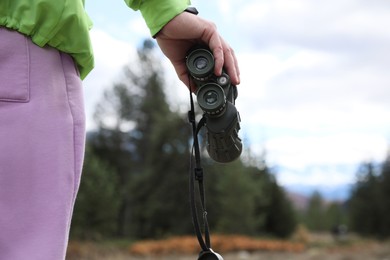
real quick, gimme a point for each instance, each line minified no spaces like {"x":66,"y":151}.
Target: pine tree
{"x":334,"y":216}
{"x":365,"y":205}
{"x":314,"y":215}
{"x":384,"y":198}
{"x":97,"y":204}
{"x":281,"y":219}
{"x":234,"y":206}
{"x":147,"y":145}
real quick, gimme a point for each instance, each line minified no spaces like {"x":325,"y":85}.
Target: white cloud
{"x":323,"y":176}
{"x":138,"y":26}
{"x":110,"y":57}
{"x":332,"y":149}
{"x":344,"y":26}
{"x":315,"y":84}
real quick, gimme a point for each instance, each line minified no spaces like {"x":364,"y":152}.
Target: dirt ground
{"x":380,"y":254}
{"x":319,"y":248}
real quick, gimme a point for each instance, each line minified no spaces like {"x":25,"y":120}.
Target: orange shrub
{"x":220,"y":243}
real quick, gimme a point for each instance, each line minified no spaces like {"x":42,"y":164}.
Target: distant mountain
{"x":332,"y":193}
{"x":299,"y":194}
{"x":299,"y":201}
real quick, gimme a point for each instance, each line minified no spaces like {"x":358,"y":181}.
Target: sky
{"x":314,"y":96}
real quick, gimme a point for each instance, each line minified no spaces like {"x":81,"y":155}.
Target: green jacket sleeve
{"x":158,"y":13}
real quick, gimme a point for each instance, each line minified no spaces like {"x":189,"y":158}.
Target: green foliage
{"x":246,"y":200}
{"x":281,"y":218}
{"x":315,"y":213}
{"x":335,"y":214}
{"x":321,"y":215}
{"x":160,"y":193}
{"x":369,"y":203}
{"x":385,"y":195}
{"x":97,"y":201}
{"x":141,"y":152}
{"x":234,"y":205}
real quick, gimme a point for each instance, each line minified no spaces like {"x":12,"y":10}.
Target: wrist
{"x":158,"y":13}
{"x":190,"y":10}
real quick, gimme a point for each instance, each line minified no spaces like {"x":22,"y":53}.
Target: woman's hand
{"x":186,"y":30}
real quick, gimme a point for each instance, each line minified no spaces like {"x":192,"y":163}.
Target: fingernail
{"x":237,"y":80}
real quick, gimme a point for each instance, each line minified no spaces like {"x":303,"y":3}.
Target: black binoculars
{"x":216,"y":97}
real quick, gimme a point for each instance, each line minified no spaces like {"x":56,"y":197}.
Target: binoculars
{"x":216,"y":97}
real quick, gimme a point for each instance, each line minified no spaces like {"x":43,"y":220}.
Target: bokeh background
{"x":315,"y":93}
{"x":314,"y":100}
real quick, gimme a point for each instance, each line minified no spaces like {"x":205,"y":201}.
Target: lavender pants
{"x":41,"y":148}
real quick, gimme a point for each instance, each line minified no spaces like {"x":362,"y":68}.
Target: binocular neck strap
{"x":196,"y":173}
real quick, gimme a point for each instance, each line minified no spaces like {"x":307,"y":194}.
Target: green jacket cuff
{"x":158,"y":13}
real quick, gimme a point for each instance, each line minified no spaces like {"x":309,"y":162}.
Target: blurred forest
{"x":136,"y":174}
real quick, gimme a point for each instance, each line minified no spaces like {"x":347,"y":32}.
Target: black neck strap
{"x":196,"y":174}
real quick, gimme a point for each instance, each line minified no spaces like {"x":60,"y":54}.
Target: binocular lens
{"x":211,"y":98}
{"x":200,"y":63}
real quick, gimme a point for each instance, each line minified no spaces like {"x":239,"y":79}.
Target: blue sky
{"x":315,"y":92}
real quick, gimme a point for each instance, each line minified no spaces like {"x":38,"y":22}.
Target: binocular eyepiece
{"x":216,"y":97}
